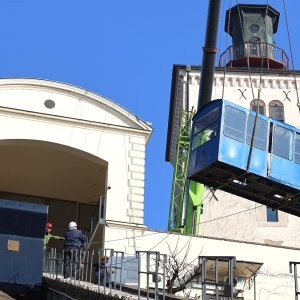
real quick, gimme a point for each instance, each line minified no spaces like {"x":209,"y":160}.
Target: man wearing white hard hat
{"x":73,"y":240}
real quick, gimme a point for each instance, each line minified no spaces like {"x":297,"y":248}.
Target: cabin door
{"x":281,"y":163}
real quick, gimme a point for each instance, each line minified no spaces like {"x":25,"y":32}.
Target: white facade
{"x":85,"y":147}
{"x":273,"y":281}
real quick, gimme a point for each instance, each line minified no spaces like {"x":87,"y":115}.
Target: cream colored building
{"x":75,"y":151}
{"x":70,"y":148}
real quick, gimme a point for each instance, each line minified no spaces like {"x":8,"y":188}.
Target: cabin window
{"x":261,"y":132}
{"x":272,"y":214}
{"x":282,"y":140}
{"x":205,"y":128}
{"x":297,"y":149}
{"x":206,"y":120}
{"x":276,"y":110}
{"x":235,"y":123}
{"x":261,"y":106}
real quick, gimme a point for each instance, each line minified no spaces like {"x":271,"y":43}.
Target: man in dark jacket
{"x":73,"y":240}
{"x":104,"y":271}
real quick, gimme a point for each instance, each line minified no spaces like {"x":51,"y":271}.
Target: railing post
{"x":139,"y":274}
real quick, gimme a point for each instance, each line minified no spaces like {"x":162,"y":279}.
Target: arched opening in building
{"x":276,"y":110}
{"x":70,"y":181}
{"x":261,"y":106}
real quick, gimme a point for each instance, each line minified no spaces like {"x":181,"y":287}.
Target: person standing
{"x":103,"y":271}
{"x":73,"y":240}
{"x":48,"y":236}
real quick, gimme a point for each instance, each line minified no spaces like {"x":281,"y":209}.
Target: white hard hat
{"x":72,"y":225}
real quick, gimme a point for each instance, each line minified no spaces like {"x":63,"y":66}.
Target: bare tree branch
{"x":181,"y":273}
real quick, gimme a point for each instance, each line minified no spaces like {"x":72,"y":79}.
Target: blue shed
{"x":22,"y":229}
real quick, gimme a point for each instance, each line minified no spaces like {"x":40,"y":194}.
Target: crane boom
{"x":186,"y":206}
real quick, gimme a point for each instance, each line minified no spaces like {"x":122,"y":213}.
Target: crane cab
{"x":265,"y":168}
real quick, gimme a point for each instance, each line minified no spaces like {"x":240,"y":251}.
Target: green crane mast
{"x":185,"y":208}
{"x":186,"y":196}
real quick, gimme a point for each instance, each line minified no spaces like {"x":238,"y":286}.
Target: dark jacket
{"x":74,"y":238}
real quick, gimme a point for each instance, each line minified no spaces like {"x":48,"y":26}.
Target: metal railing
{"x":252,"y":50}
{"x":102,"y":270}
{"x":102,"y":267}
{"x":294,"y":269}
{"x":157,"y":275}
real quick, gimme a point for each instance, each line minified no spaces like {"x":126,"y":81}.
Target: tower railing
{"x":236,"y":55}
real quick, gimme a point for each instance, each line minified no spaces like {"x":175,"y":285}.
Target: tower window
{"x":254,"y":28}
{"x":276,"y":110}
{"x":272,"y":215}
{"x":254,"y":46}
{"x":261,"y":106}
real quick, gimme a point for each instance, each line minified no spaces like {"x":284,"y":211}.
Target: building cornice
{"x":72,"y":121}
{"x":30,"y":83}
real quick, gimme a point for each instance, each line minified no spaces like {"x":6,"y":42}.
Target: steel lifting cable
{"x":227,"y":35}
{"x":248,"y":64}
{"x":291,"y":52}
{"x":253,"y":132}
{"x":258,"y":95}
{"x":257,"y":110}
{"x":220,"y":31}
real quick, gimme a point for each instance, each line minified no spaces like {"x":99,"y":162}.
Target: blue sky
{"x":124,"y":50}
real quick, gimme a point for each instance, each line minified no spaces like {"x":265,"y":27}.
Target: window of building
{"x":261,"y":106}
{"x":254,"y":39}
{"x":272,"y":214}
{"x":201,"y":208}
{"x":49,"y":103}
{"x":254,"y":46}
{"x":276,"y":110}
{"x":254,"y":28}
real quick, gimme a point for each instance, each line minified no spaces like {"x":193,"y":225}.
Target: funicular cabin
{"x":265,"y":168}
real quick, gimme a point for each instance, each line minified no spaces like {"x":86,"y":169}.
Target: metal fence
{"x":102,"y":267}
{"x":102,"y":270}
{"x":294,"y":269}
{"x":152,"y":265}
{"x":250,"y":49}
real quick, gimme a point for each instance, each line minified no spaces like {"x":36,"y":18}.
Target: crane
{"x":186,"y":196}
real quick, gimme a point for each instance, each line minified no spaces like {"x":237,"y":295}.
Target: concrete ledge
{"x":4,"y":296}
{"x":134,"y":290}
{"x":72,"y":292}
